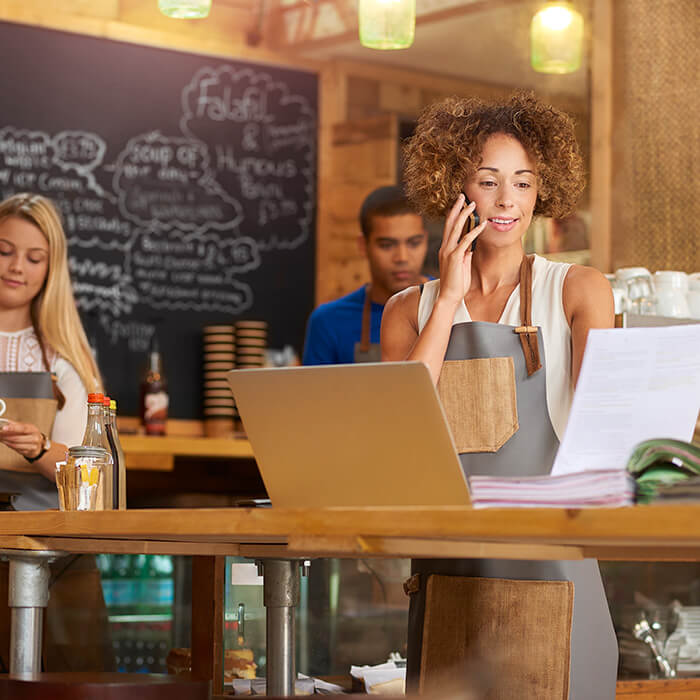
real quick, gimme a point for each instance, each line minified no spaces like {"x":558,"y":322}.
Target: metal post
{"x":281,"y":596}
{"x":28,"y":596}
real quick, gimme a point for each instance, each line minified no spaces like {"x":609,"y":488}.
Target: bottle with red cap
{"x":96,"y":436}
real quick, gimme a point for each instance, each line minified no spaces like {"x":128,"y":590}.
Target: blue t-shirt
{"x":335,"y":327}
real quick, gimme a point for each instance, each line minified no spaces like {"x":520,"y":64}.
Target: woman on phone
{"x":525,"y":318}
{"x":40,"y":332}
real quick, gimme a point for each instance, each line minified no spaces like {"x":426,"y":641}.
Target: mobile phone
{"x":472,"y":221}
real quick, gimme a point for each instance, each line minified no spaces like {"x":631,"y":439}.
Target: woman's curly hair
{"x":446,"y":149}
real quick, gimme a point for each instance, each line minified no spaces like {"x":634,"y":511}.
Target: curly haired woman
{"x":524,"y":318}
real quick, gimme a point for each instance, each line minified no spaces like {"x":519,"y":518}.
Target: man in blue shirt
{"x":395,"y":243}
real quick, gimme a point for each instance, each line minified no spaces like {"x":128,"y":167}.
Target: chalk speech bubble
{"x":262,"y":139}
{"x":78,"y":149}
{"x":165,"y":182}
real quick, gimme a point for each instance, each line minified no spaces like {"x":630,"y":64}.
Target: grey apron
{"x":530,"y":451}
{"x":364,"y":350}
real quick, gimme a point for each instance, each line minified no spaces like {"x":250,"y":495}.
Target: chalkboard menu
{"x":187,"y":185}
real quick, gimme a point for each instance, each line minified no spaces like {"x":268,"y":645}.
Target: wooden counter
{"x":676,"y":689}
{"x":152,"y":453}
{"x":652,"y":532}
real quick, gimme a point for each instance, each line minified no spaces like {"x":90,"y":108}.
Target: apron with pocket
{"x":493,"y":389}
{"x":27,"y":397}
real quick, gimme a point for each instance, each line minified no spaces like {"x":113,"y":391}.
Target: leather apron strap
{"x":526,"y":331}
{"x":366,"y":320}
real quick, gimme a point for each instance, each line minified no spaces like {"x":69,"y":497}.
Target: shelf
{"x":167,"y":617}
{"x":153,"y":453}
{"x":180,"y":446}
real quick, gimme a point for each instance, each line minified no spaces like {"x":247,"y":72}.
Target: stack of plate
{"x":219,"y":357}
{"x":251,"y":344}
{"x":688,"y":630}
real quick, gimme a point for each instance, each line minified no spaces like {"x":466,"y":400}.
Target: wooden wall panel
{"x":361,"y":156}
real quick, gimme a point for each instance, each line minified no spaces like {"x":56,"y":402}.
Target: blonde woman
{"x":40,"y":331}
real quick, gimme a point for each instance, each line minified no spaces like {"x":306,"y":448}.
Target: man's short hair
{"x":384,"y":201}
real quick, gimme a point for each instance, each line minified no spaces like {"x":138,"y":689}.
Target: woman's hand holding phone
{"x":455,"y":254}
{"x":472,"y":220}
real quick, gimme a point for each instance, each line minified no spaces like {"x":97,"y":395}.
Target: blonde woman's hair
{"x":54,"y":311}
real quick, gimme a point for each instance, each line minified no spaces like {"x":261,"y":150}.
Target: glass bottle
{"x":116,"y":462}
{"x":96,"y":436}
{"x":113,"y":429}
{"x":154,"y":394}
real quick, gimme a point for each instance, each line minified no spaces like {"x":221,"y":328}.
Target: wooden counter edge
{"x":672,"y":689}
{"x":185,"y":446}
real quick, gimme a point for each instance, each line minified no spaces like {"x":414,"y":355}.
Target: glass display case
{"x":139,"y":592}
{"x":354,"y":612}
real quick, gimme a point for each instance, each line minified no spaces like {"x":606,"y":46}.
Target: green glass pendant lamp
{"x":185,"y":9}
{"x":556,"y":38}
{"x":387,"y":24}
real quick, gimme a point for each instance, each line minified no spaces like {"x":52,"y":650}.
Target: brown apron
{"x":28,"y":397}
{"x":365,"y":351}
{"x":506,"y":365}
{"x":76,"y":626}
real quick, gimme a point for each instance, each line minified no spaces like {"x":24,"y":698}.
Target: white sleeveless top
{"x":548,"y":314}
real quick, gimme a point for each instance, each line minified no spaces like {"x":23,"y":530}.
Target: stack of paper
{"x":610,"y":488}
{"x":635,"y":384}
{"x":383,"y":679}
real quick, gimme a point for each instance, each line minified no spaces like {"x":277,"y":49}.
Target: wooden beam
{"x":366,"y":546}
{"x":208,"y":621}
{"x":210,"y":41}
{"x":326,"y":23}
{"x":117,"y":546}
{"x":448,"y":84}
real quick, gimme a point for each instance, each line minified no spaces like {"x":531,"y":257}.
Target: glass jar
{"x":671,"y":293}
{"x":639,"y":287}
{"x":694,"y":295}
{"x":79,"y":479}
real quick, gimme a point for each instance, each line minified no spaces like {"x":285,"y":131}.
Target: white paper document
{"x":635,"y":384}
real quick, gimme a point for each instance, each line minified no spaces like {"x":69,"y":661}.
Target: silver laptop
{"x":370,"y":434}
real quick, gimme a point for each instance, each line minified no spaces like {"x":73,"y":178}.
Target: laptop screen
{"x":350,"y":435}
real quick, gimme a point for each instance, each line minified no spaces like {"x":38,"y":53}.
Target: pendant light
{"x":387,"y":24}
{"x":556,"y":38}
{"x":185,"y":9}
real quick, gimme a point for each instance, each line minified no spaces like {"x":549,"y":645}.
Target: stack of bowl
{"x":219,"y":356}
{"x":251,"y":344}
{"x":250,"y":349}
